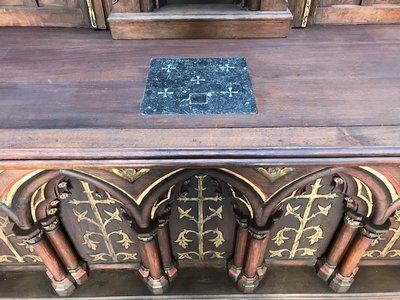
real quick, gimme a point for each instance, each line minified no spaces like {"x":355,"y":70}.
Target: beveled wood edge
{"x":380,"y":296}
{"x":355,"y":14}
{"x":154,"y":16}
{"x":36,"y":16}
{"x":54,"y":148}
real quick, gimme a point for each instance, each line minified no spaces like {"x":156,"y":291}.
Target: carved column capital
{"x":258,"y":233}
{"x":30,"y":236}
{"x":371,"y":230}
{"x":50,"y":223}
{"x":242,"y":221}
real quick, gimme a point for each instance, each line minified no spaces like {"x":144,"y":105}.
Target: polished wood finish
{"x":80,"y":110}
{"x":385,"y":13}
{"x":45,"y":17}
{"x":200,"y":21}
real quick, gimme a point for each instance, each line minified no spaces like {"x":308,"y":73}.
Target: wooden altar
{"x":288,"y":202}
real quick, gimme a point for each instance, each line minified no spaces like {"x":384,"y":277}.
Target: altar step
{"x":200,"y":21}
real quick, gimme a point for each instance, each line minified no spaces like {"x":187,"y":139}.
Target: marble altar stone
{"x":198,"y":86}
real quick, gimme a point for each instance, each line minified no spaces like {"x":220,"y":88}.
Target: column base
{"x":234,"y":271}
{"x":80,"y":274}
{"x":171,"y":272}
{"x":324,"y":270}
{"x":261,"y":271}
{"x":340,"y":283}
{"x":143,"y":272}
{"x":64,"y":287}
{"x":157,"y":286}
{"x":248,"y":285}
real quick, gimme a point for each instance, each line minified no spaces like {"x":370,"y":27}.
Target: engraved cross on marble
{"x":168,"y":68}
{"x":197,"y":79}
{"x":230,"y":92}
{"x":226,"y":67}
{"x":198,"y":86}
{"x":165,"y":93}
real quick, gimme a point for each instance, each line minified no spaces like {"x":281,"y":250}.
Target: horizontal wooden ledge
{"x":349,"y":14}
{"x":188,"y":23}
{"x":41,"y":16}
{"x":72,"y":148}
{"x":67,"y":163}
{"x":374,"y":138}
{"x":259,"y":15}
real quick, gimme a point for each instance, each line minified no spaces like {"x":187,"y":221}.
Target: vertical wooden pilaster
{"x":237,"y":263}
{"x":261,"y":267}
{"x":57,"y":238}
{"x":62,"y":281}
{"x":151,"y":257}
{"x":348,"y":266}
{"x":249,"y":280}
{"x":326,"y":265}
{"x":164,"y":243}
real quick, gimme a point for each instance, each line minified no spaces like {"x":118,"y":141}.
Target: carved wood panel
{"x":202,"y":221}
{"x":310,"y":219}
{"x":331,"y":216}
{"x":93,"y":220}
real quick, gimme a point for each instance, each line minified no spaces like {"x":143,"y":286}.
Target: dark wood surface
{"x":281,"y":283}
{"x":76,"y":93}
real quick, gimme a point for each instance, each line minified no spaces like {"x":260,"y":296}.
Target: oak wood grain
{"x":348,"y":14}
{"x":199,"y":22}
{"x":42,"y":16}
{"x":324,"y":95}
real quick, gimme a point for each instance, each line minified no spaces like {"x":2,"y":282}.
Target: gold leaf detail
{"x":125,"y":241}
{"x":182,"y":240}
{"x":184,"y":255}
{"x":316,"y":236}
{"x":307,"y":251}
{"x":128,"y":256}
{"x":217,"y":254}
{"x":74,"y":202}
{"x":324,"y":210}
{"x":280,"y":238}
{"x":369,"y":253}
{"x":34,"y":258}
{"x":277,"y":253}
{"x":99,"y":257}
{"x":219,"y":239}
{"x":114,"y":215}
{"x":89,"y":242}
{"x":80,"y":216}
{"x":397,"y":215}
{"x":291,"y":210}
{"x":5,"y":258}
{"x":217,"y":212}
{"x":394,"y":253}
{"x":184,"y":213}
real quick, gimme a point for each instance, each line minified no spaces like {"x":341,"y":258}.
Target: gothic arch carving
{"x":148,"y":213}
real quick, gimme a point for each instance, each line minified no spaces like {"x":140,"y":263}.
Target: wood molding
{"x":42,"y":17}
{"x":179,"y":22}
{"x":349,"y":14}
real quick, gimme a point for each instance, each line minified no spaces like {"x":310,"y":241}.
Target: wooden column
{"x":348,"y":266}
{"x":151,"y":257}
{"x":164,"y":243}
{"x":249,"y":280}
{"x":237,"y":263}
{"x":56,"y":236}
{"x":261,"y":267}
{"x":326,"y":265}
{"x":61,"y":280}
